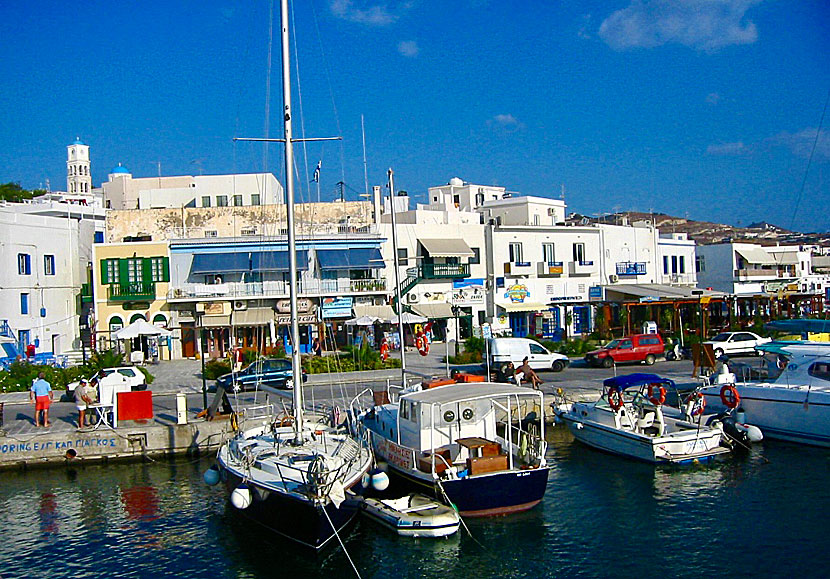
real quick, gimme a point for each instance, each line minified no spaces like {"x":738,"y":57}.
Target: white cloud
{"x":507,"y":123}
{"x":802,"y":142}
{"x":737,"y":148}
{"x":701,"y":24}
{"x":712,"y":98}
{"x":408,"y":48}
{"x":367,"y":12}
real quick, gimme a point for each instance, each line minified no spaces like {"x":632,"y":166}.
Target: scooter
{"x":678,"y":352}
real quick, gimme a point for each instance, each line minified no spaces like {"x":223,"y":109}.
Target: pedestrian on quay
{"x":41,"y":394}
{"x":82,"y":401}
{"x":317,"y":347}
{"x":528,"y":375}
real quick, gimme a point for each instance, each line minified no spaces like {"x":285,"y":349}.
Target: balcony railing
{"x":129,"y":292}
{"x":517,"y":268}
{"x":239,"y":290}
{"x":761,"y":273}
{"x":548,"y":268}
{"x":631,"y":268}
{"x":440,"y":271}
{"x":581,"y":267}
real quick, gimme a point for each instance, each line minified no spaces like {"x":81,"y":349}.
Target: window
{"x":24,"y":264}
{"x":700,"y":263}
{"x":579,"y":252}
{"x":24,"y":304}
{"x":403,"y":256}
{"x":49,"y":264}
{"x":476,"y":258}
{"x":515,"y":250}
{"x":210,"y":233}
{"x":134,"y":271}
{"x":237,"y":200}
{"x":536,"y":219}
{"x":222,"y":201}
{"x":109,"y":271}
{"x":157,"y":269}
{"x":666,"y":265}
{"x":537,"y":349}
{"x":548,"y":253}
{"x":248,"y":231}
{"x":255,"y":199}
{"x":681,"y":264}
{"x":674,"y":264}
{"x":206,"y":201}
{"x":479,"y":199}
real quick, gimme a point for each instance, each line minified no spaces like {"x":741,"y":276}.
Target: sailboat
{"x":291,"y":475}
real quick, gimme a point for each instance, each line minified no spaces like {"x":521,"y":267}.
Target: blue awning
{"x":626,"y":381}
{"x":354,"y":258}
{"x":209,"y":263}
{"x":277,"y":261}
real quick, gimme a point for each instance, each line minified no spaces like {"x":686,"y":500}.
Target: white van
{"x":516,"y":349}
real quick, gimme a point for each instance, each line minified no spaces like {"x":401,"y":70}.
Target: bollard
{"x":181,"y":408}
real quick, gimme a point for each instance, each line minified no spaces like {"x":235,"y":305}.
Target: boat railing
{"x":528,"y":445}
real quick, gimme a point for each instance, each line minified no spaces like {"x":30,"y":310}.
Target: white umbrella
{"x":362,"y":321}
{"x":409,"y":318}
{"x":140,"y":328}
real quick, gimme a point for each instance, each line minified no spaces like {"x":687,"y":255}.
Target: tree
{"x":14,"y":193}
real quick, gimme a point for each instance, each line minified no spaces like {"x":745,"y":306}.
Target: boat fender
{"x":380,"y":480}
{"x":753,"y":433}
{"x":740,"y":415}
{"x":241,"y":497}
{"x":211,"y":476}
{"x":656,"y":394}
{"x":523,"y":445}
{"x":365,"y":480}
{"x":729,"y":396}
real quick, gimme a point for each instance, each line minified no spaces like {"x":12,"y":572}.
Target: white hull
{"x":413,"y":516}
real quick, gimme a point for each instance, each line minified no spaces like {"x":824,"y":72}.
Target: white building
{"x":40,"y":279}
{"x":78,"y":177}
{"x":122,"y":191}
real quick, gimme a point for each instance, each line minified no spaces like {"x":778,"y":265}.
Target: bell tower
{"x":78,"y":179}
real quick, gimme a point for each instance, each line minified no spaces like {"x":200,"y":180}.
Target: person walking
{"x":82,"y":401}
{"x":317,"y":347}
{"x":41,"y":394}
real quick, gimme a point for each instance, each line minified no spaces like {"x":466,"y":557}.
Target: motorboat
{"x":793,"y":402}
{"x":628,"y":420}
{"x":291,"y":475}
{"x":479,"y":446}
{"x":413,"y":515}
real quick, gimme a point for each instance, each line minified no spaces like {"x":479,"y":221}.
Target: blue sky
{"x":700,"y":108}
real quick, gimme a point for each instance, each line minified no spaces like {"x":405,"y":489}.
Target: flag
{"x":316,"y":178}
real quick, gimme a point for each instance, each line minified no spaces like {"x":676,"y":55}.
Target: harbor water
{"x":764,"y":514}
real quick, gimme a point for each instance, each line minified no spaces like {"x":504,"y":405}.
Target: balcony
{"x":549,"y":268}
{"x":273,"y":289}
{"x":131,"y":292}
{"x":581,"y":268}
{"x":86,"y":294}
{"x":760,"y":274}
{"x":440,"y":271}
{"x":518,"y":268}
{"x":631,"y":268}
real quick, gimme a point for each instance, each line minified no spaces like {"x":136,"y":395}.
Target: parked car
{"x":731,"y":343}
{"x":635,"y":348}
{"x":121,"y":376}
{"x":515,"y":350}
{"x":276,"y":373}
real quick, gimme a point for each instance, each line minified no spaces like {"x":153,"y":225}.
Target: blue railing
{"x":631,"y":268}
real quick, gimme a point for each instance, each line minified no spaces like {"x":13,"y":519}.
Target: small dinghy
{"x":413,"y":515}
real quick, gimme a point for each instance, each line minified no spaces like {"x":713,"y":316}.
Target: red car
{"x":636,"y":348}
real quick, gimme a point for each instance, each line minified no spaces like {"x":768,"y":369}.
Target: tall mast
{"x":292,"y":242}
{"x":391,"y":175}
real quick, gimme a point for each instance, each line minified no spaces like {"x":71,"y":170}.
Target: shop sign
{"x":595,"y":293}
{"x":285,"y":319}
{"x":435,"y":297}
{"x":214,"y":308}
{"x":303,"y":305}
{"x":467,"y":292}
{"x":471,"y":282}
{"x":337,"y":307}
{"x":517,"y":293}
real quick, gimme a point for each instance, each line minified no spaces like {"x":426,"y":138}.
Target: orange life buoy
{"x":657,"y":398}
{"x":615,"y":399}
{"x":698,"y":403}
{"x":729,"y":396}
{"x":422,"y":344}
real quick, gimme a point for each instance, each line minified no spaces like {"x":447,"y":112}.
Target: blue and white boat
{"x":628,"y":420}
{"x":479,"y":446}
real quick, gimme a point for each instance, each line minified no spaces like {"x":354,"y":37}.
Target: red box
{"x":135,"y":405}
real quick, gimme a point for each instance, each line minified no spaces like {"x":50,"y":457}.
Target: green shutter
{"x":104,"y":278}
{"x":147,"y":270}
{"x":123,"y":274}
{"x":165,"y":262}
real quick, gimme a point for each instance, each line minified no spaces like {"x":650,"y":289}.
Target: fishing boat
{"x":479,"y":446}
{"x":291,"y":476}
{"x":793,"y":403}
{"x":413,"y":515}
{"x":628,"y":420}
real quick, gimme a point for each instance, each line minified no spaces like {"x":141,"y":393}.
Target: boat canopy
{"x":621,"y":383}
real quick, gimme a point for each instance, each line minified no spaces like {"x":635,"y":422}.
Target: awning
{"x":452,"y":247}
{"x":277,"y":261}
{"x":253,"y":317}
{"x":209,"y":263}
{"x":215,"y":321}
{"x":384,"y":312}
{"x":354,"y":258}
{"x":755,"y":255}
{"x":523,"y":307}
{"x":785,"y":258}
{"x":659,"y":291}
{"x":434,"y":311}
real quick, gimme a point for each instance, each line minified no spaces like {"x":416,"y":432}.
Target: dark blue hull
{"x":301,"y":521}
{"x":498,"y":493}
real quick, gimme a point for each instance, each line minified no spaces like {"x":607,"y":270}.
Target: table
{"x":104,"y":415}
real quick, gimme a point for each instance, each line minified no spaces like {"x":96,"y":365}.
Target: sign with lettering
{"x":394,"y":453}
{"x":52,"y":447}
{"x":304,"y":305}
{"x":285,"y":319}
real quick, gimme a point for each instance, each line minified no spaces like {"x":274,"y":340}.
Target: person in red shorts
{"x":41,"y":394}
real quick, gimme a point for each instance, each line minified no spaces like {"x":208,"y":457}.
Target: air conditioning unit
{"x":412,"y":298}
{"x":240,"y":305}
{"x":613,"y":278}
{"x":551,"y":210}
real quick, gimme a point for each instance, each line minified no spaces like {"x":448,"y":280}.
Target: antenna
{"x":158,"y":164}
{"x":197,"y":162}
{"x":365,"y":164}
